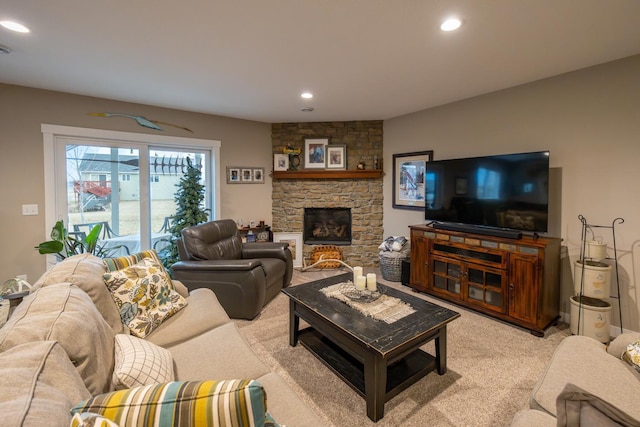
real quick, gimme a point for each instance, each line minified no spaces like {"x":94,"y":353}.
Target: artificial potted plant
{"x":63,"y":245}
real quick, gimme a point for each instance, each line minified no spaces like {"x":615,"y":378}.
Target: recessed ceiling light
{"x":451,"y":24}
{"x":14,"y":26}
{"x":307,"y":95}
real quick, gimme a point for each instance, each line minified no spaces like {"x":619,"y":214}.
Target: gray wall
{"x":23,"y":110}
{"x":588,"y":119}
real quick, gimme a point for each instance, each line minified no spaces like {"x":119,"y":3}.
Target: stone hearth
{"x":362,"y":196}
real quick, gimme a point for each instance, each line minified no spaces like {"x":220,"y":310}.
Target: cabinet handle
{"x":511,"y":286}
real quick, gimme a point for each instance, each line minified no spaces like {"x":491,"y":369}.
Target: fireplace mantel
{"x":328,"y":174}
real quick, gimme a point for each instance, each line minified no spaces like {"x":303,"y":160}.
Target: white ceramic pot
{"x":595,"y":250}
{"x":597,"y":279}
{"x":595,"y":316}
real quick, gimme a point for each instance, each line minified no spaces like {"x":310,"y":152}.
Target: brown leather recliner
{"x":244,"y":276}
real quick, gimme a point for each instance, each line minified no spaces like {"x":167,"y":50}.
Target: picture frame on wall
{"x":336,"y":156}
{"x":409,"y":180}
{"x":315,"y":153}
{"x":280,"y":162}
{"x":295,"y":245}
{"x":258,"y":175}
{"x":245,"y":175}
{"x":233,"y":175}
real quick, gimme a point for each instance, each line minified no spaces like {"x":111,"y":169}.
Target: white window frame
{"x":55,"y":162}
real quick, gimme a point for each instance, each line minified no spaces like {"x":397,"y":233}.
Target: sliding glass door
{"x":127,"y":186}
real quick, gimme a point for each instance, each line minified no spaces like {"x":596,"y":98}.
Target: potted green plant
{"x":63,"y":245}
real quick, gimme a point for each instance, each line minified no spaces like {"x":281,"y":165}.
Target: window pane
{"x":166,"y":169}
{"x":97,"y":194}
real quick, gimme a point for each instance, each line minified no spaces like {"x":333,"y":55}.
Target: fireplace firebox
{"x":324,"y":226}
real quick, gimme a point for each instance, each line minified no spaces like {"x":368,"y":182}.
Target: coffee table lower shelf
{"x":400,"y":374}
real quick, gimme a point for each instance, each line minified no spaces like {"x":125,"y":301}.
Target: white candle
{"x":357,"y":272}
{"x":361,"y":283}
{"x":371,"y":282}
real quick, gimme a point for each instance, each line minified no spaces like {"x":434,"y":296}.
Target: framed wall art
{"x":245,"y":175}
{"x":233,"y":175}
{"x":258,"y":175}
{"x":295,"y":245}
{"x":409,"y":179}
{"x":315,"y":151}
{"x":336,"y":156}
{"x":280,"y":162}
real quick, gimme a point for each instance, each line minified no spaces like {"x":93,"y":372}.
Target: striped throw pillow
{"x":187,"y":403}
{"x":114,"y":264}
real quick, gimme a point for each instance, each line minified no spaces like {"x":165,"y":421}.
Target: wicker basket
{"x":329,"y":252}
{"x":391,"y":265}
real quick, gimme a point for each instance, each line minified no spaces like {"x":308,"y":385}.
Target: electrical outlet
{"x":29,"y":209}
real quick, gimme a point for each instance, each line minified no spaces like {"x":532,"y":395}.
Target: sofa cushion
{"x":577,"y":407}
{"x":138,"y":362}
{"x":584,"y":362}
{"x":202,"y":313}
{"x":144,"y":295}
{"x":191,"y":403}
{"x":38,"y":385}
{"x":620,"y":343}
{"x":219,"y":353}
{"x":66,"y":314}
{"x":86,"y":271}
{"x":286,"y":406}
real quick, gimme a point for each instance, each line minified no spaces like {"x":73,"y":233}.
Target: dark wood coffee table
{"x":378,"y":360}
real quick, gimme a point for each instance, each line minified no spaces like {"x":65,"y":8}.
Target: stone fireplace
{"x":361,"y":196}
{"x":327,"y":226}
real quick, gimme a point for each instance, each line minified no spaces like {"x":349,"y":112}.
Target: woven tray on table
{"x":326,"y":252}
{"x":391,"y":265}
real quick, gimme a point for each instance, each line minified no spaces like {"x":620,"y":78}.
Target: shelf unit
{"x":586,"y":227}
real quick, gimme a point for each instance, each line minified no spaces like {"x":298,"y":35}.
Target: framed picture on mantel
{"x":409,"y":180}
{"x":315,"y":152}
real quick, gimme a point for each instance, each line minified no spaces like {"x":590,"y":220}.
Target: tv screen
{"x":506,"y":191}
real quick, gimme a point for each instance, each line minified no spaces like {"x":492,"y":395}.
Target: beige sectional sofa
{"x":586,"y":384}
{"x":57,"y":348}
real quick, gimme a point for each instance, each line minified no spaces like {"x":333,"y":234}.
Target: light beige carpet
{"x":492,"y":367}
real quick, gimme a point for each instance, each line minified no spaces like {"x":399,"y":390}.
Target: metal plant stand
{"x":586,"y":228}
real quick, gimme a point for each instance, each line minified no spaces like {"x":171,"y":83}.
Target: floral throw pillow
{"x":144,"y":295}
{"x":632,"y":355}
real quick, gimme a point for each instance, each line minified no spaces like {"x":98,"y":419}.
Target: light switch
{"x":29,"y":209}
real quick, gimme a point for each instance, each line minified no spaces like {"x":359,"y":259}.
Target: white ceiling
{"x":251,"y":59}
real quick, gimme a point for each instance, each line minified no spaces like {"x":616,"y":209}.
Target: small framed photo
{"x":280,"y":162}
{"x":258,"y":175}
{"x":315,"y":153}
{"x":295,"y":245}
{"x":247,"y":175}
{"x":337,"y":156}
{"x":233,"y":175}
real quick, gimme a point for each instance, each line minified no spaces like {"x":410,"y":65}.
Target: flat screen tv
{"x":509,"y":192}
